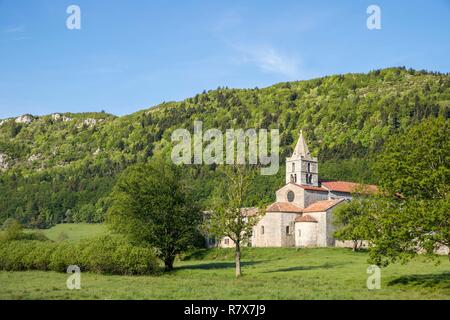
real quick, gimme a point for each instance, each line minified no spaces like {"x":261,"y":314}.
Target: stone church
{"x":303,"y":212}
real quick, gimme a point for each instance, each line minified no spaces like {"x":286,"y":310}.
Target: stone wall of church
{"x":306,"y":234}
{"x":311,"y":197}
{"x":287,"y":229}
{"x":321,"y":230}
{"x":275,"y":233}
{"x":281,"y":195}
{"x":349,"y":244}
{"x":330,"y":228}
{"x":340,"y":195}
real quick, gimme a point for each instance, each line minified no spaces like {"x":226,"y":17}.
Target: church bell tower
{"x":301,"y":167}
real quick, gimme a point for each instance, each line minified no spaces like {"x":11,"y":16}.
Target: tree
{"x":152,"y":205}
{"x":12,"y":230}
{"x":403,"y":228}
{"x":415,"y":167}
{"x":352,"y":220}
{"x":227,"y":218}
{"x":416,"y":163}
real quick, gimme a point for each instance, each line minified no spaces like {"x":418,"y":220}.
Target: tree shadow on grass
{"x":326,"y":265}
{"x":217,"y":265}
{"x":441,"y":280}
{"x":211,"y":253}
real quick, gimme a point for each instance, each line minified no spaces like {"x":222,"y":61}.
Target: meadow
{"x":74,"y":231}
{"x":269,"y":273}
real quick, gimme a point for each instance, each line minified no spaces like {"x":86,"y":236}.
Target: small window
{"x":293,"y":167}
{"x":227,"y":241}
{"x":309,"y":167}
{"x":287,"y":229}
{"x":212,"y":240}
{"x":295,"y":178}
{"x":262,"y":229}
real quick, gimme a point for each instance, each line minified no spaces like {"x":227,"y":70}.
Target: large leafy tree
{"x":228,"y":216}
{"x":352,"y":220}
{"x":152,"y":204}
{"x":416,"y":168}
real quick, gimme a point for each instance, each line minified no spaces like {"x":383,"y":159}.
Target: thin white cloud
{"x":269,"y":59}
{"x":14,"y":29}
{"x":266,"y":57}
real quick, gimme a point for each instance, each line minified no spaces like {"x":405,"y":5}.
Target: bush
{"x":64,"y":255}
{"x":107,"y":254}
{"x":12,"y":230}
{"x":13,"y":255}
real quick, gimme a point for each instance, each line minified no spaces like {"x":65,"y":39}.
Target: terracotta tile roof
{"x":323,"y":205}
{"x":249,"y":212}
{"x":345,"y":186}
{"x":284,"y":207}
{"x":306,"y":187}
{"x":306,"y":218}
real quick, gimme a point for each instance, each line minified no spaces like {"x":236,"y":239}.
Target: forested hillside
{"x":61,"y":167}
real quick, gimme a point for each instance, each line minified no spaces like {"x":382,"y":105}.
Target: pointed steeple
{"x":302,"y":167}
{"x":301,"y":149}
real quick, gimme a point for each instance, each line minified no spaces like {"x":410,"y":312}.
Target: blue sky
{"x":131,"y":55}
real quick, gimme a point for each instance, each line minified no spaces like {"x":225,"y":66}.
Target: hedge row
{"x":108,"y":254}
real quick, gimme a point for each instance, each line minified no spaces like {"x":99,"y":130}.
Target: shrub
{"x":40,"y":257}
{"x":107,"y":254}
{"x":38,"y":235}
{"x":64,"y":255}
{"x":12,"y":230}
{"x":114,"y":255}
{"x":13,"y":255}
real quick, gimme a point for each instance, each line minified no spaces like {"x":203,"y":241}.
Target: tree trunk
{"x":238,"y":259}
{"x":168,"y":263}
{"x":355,"y":245}
{"x":448,"y":254}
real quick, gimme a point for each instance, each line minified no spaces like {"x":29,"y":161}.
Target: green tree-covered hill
{"x":62,"y":167}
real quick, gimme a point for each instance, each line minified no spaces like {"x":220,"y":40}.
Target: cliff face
{"x":3,"y":162}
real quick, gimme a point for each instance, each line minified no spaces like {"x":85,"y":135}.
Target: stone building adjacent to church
{"x":302,"y":215}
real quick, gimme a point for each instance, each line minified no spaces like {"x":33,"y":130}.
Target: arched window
{"x":295,"y":178}
{"x":309,"y":167}
{"x":262,"y":229}
{"x":293,"y":167}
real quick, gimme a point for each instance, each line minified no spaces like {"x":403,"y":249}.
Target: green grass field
{"x":74,"y":231}
{"x":269,"y":273}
